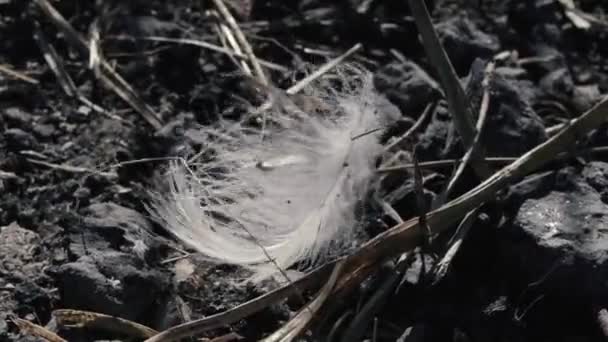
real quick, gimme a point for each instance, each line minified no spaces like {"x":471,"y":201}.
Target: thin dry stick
{"x":389,"y":210}
{"x":493,"y":160}
{"x":442,"y":267}
{"x":420,"y":199}
{"x":481,"y":120}
{"x":211,"y":47}
{"x":225,"y":32}
{"x":375,"y":302}
{"x":72,"y":169}
{"x":457,"y":101}
{"x":94,"y":320}
{"x":442,"y":163}
{"x":17,"y":74}
{"x":98,"y":109}
{"x":108,"y":76}
{"x":32,"y":329}
{"x":296,"y":88}
{"x":428,"y":111}
{"x":54,"y":62}
{"x":242,"y":40}
{"x":554,"y":129}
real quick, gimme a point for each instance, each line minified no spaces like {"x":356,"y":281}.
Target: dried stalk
{"x":17,"y":74}
{"x":107,"y":74}
{"x":32,"y":329}
{"x":238,"y":33}
{"x":93,"y":320}
{"x":457,"y":100}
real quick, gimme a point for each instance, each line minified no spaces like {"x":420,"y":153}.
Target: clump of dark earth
{"x":407,"y":86}
{"x":532,"y":267}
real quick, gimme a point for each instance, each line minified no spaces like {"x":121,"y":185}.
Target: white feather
{"x":290,"y":196}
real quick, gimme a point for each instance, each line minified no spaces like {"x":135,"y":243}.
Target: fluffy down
{"x":270,"y":198}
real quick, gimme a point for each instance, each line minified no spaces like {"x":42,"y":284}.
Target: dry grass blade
{"x":212,"y":47}
{"x":457,"y":101}
{"x":296,"y":88}
{"x":443,"y":163}
{"x":93,"y":320}
{"x":73,"y":169}
{"x":107,"y":75}
{"x":195,"y":327}
{"x":67,"y":84}
{"x":227,"y":38}
{"x":428,"y":111}
{"x":32,"y":329}
{"x":296,"y":325}
{"x":259,"y":73}
{"x":54,"y":62}
{"x":436,"y":164}
{"x":474,"y":147}
{"x":454,"y":244}
{"x":16,"y":74}
{"x":361,"y":321}
{"x":443,"y":265}
{"x":420,"y":199}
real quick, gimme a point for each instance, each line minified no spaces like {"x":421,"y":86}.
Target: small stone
{"x":407,"y":86}
{"x":464,"y":41}
{"x":18,"y":140}
{"x":564,"y":233}
{"x":17,"y":115}
{"x":84,"y":110}
{"x":44,"y":130}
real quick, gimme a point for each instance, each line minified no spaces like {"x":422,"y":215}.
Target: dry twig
{"x":5,"y":69}
{"x":107,"y":74}
{"x":32,"y":329}
{"x":72,"y":169}
{"x":296,"y":88}
{"x":428,"y":111}
{"x":93,"y":320}
{"x":475,"y":145}
{"x":54,"y":62}
{"x":242,"y":40}
{"x":493,"y":160}
{"x":211,"y":47}
{"x":442,"y":267}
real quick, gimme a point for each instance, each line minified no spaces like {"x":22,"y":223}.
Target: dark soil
{"x":533,"y":267}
